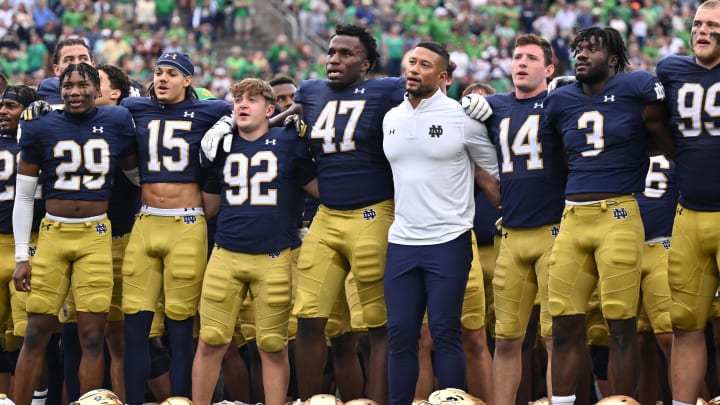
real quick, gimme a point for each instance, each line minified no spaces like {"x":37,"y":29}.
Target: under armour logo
{"x":609,"y":99}
{"x":101,"y":229}
{"x":680,"y":210}
{"x":31,"y":251}
{"x":391,"y":132}
{"x":666,"y":244}
{"x":555,"y":231}
{"x":189,"y":219}
{"x":274,"y":254}
{"x":98,"y":130}
{"x":620,"y":213}
{"x":270,"y":141}
{"x":170,"y":55}
{"x":659,"y":91}
{"x":538,"y":105}
{"x":435,"y":131}
{"x":505,"y":235}
{"x":189,"y":114}
{"x":360,"y":91}
{"x":369,"y":215}
{"x":46,"y":226}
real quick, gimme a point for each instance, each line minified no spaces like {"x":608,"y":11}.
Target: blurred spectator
{"x":38,"y":55}
{"x":126,"y":8}
{"x":640,"y":29}
{"x":115,"y":48}
{"x":42,"y":15}
{"x":236,"y":64}
{"x":242,"y":11}
{"x":545,"y":26}
{"x":393,"y":50}
{"x":565,"y":18}
{"x":528,"y":14}
{"x":145,"y":12}
{"x":164,"y":13}
{"x":6,"y":17}
{"x":221,"y":83}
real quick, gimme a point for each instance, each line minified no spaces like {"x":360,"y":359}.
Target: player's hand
{"x":21,"y":276}
{"x":559,"y":81}
{"x":35,"y":110}
{"x":221,"y":131}
{"x":476,"y":107}
{"x":296,"y":121}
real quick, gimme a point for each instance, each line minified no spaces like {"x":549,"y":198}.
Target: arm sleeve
{"x":23,"y":214}
{"x":481,"y":149}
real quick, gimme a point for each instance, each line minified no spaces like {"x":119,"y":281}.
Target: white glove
{"x":297,"y":122}
{"x":476,"y":107}
{"x":221,"y":131}
{"x":559,"y":81}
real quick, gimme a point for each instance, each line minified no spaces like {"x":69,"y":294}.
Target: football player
{"x":67,"y":51}
{"x":124,"y":204}
{"x":253,"y":187}
{"x":605,"y":120}
{"x":77,"y":160}
{"x":12,"y":302}
{"x":532,"y":174}
{"x":167,"y":250}
{"x":657,"y":208}
{"x":691,"y":85}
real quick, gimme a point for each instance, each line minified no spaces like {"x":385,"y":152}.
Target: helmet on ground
{"x":4,"y":400}
{"x":176,"y":401}
{"x":450,"y":396}
{"x":714,"y":401}
{"x":99,"y":397}
{"x":361,"y":401}
{"x":618,"y":400}
{"x":323,"y":399}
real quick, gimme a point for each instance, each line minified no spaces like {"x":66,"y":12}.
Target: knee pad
{"x":683,"y":317}
{"x":213,"y":336}
{"x":336,"y":327}
{"x":597,"y":334}
{"x":368,"y":267}
{"x":272,"y":343}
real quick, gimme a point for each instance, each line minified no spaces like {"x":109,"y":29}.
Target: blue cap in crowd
{"x":177,"y":60}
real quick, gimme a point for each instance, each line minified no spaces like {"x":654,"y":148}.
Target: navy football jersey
{"x":168,"y":137}
{"x":693,"y":98}
{"x":345,"y":135}
{"x":604,"y":135}
{"x":49,"y":90}
{"x":659,"y":199}
{"x":9,"y":151}
{"x":78,"y":156}
{"x":531,"y":161}
{"x":257,"y":182}
{"x":484,"y":222}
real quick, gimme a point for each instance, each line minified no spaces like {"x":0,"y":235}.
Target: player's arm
{"x":129,"y":166}
{"x":279,"y":119}
{"x":25,"y":184}
{"x":312,"y":189}
{"x":657,"y":122}
{"x":489,"y":184}
{"x":211,"y":204}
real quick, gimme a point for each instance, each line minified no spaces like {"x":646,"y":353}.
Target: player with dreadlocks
{"x":605,"y":119}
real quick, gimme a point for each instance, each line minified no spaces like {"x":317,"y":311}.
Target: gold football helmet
{"x":618,"y":400}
